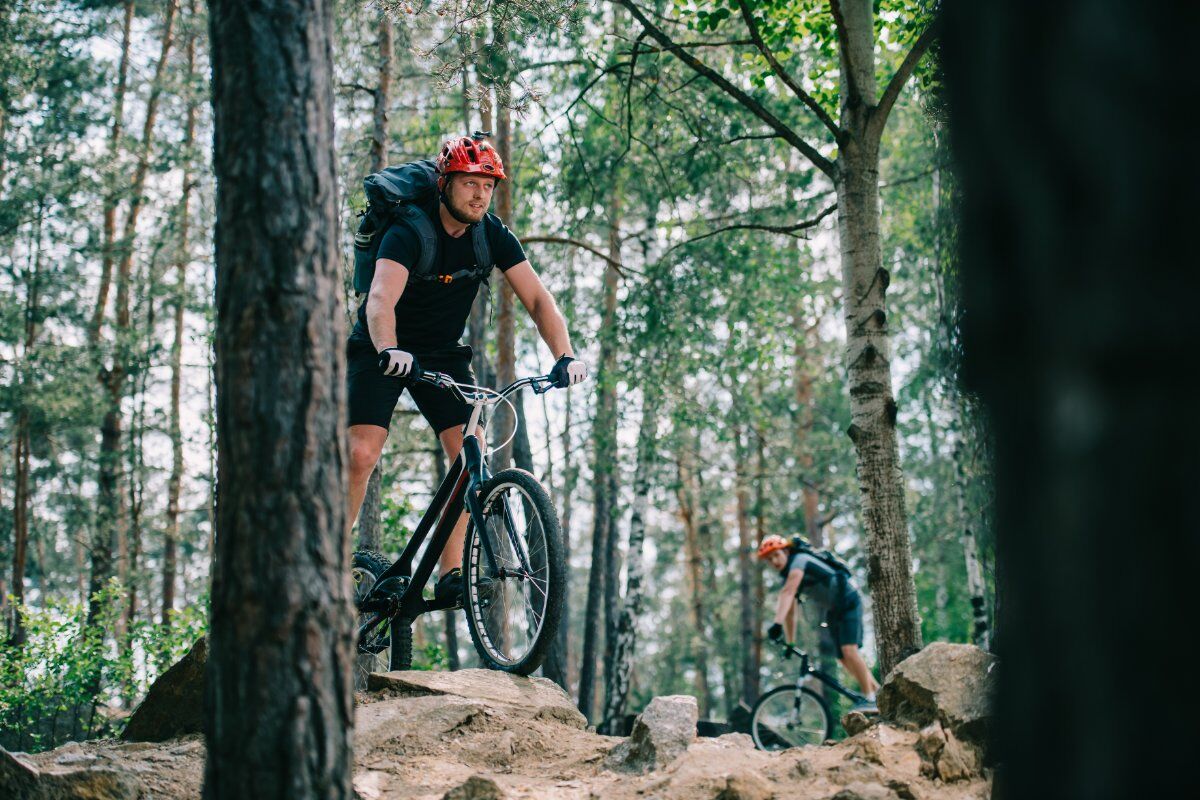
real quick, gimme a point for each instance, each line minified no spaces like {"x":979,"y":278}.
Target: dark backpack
{"x":395,"y":195}
{"x":826,"y":557}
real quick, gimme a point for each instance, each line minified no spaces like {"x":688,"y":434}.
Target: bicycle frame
{"x":807,"y":670}
{"x":398,"y":591}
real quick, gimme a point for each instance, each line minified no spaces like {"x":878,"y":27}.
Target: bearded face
{"x":468,"y":196}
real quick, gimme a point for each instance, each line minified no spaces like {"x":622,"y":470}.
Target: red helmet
{"x":770,"y":544}
{"x":469,"y":154}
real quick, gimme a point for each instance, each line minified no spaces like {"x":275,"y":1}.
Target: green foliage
{"x":70,"y":681}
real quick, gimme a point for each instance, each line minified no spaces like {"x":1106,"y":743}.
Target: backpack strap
{"x":480,"y":242}
{"x":422,"y":226}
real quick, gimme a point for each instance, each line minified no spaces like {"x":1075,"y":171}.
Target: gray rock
{"x":865,"y":791}
{"x":660,"y":734}
{"x":855,"y":722}
{"x":174,"y":705}
{"x":947,"y":683}
{"x":20,"y":780}
{"x":543,"y":698}
{"x":746,"y":785}
{"x":476,"y":787}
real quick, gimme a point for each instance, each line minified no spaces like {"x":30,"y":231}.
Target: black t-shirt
{"x":431,"y":315}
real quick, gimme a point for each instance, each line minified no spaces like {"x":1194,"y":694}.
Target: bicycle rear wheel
{"x":785,"y":717}
{"x":365,"y":568}
{"x":513,"y":611}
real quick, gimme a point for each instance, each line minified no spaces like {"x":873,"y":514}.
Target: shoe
{"x":450,"y":588}
{"x":865,"y":707}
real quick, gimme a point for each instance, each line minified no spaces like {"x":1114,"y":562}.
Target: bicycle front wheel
{"x":514,"y":600}
{"x":785,"y":717}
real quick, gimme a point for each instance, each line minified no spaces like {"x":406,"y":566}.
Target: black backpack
{"x":826,"y":557}
{"x":395,"y":195}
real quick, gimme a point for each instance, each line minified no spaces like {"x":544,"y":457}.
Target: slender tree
{"x":278,"y":724}
{"x":854,"y":172}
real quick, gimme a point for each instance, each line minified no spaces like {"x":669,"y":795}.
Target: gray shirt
{"x":820,"y":581}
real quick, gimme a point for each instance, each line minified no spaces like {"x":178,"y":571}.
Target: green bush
{"x":71,"y":681}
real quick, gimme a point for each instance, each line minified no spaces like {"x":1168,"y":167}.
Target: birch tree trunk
{"x":616,"y":685}
{"x":278,"y":724}
{"x":868,"y":353}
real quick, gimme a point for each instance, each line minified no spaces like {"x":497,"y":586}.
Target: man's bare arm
{"x":541,"y":307}
{"x":386,"y":287}
{"x":787,"y":595}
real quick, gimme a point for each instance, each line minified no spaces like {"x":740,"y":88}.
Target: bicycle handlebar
{"x":539,"y":383}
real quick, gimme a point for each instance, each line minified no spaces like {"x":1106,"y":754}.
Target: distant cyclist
{"x":404,"y":325}
{"x":804,"y":571}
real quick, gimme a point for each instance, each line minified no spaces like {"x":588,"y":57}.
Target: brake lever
{"x":542,"y":385}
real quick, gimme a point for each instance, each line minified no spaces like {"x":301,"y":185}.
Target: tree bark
{"x":278,"y":704}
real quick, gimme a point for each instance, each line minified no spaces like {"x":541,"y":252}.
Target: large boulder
{"x":541,"y":698}
{"x":21,"y":780}
{"x":951,"y":684}
{"x":660,"y":734}
{"x":174,"y":706}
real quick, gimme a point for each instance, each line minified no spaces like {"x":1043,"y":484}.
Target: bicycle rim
{"x":509,"y":608}
{"x":786,"y":718}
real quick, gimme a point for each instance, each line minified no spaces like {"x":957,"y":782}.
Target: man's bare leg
{"x":852,"y":660}
{"x":451,"y":439}
{"x":365,"y":444}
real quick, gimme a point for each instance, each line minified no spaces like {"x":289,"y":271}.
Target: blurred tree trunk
{"x":108,"y":508}
{"x":1078,"y":326}
{"x":747,"y":570}
{"x":183,"y":257}
{"x":693,"y":566}
{"x":113,"y":379}
{"x":23,"y":442}
{"x":278,"y":725}
{"x":370,"y":515}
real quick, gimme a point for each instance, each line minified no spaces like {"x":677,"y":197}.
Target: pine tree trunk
{"x":747,"y":570}
{"x":868,"y":356}
{"x":503,"y":419}
{"x":557,"y":664}
{"x":112,"y":196}
{"x":601,"y":609}
{"x":175,"y":482}
{"x":23,"y":443}
{"x":616,"y":689}
{"x":278,"y":724}
{"x":111,"y":523}
{"x":371,"y":512}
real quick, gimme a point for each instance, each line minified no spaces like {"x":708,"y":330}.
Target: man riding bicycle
{"x":806,"y":572}
{"x":406,"y":326}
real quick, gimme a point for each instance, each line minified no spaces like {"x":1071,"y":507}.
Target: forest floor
{"x":477,"y":735}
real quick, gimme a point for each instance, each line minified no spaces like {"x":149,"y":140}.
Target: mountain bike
{"x":795,"y":715}
{"x":514,"y":575}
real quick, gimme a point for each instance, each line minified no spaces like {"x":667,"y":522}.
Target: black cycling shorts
{"x":373,"y":395}
{"x":845,"y":621}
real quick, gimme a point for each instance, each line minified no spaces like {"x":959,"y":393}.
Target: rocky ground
{"x":479,"y":735}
